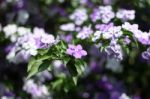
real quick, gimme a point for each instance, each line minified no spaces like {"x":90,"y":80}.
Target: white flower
{"x":57,"y":63}
{"x":132,"y":28}
{"x":85,"y":32}
{"x":38,"y":32}
{"x":68,"y":27}
{"x":79,"y":16}
{"x":96,"y":36}
{"x":47,"y":38}
{"x":113,"y":32}
{"x":11,"y":32}
{"x":35,"y":90}
{"x":11,"y":55}
{"x":124,"y":96}
{"x":125,"y":15}
{"x":106,"y":13}
{"x":22,"y":31}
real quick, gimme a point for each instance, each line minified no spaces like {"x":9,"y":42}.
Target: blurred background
{"x":101,"y":80}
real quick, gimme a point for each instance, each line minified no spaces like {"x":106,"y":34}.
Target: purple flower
{"x":143,"y":38}
{"x":68,"y":38}
{"x":104,"y":27}
{"x":114,"y":50}
{"x":95,"y":15}
{"x":103,"y":13}
{"x":113,"y":32}
{"x":127,"y":40}
{"x":146,"y":54}
{"x":79,"y":16}
{"x":85,"y":32}
{"x":76,"y":51}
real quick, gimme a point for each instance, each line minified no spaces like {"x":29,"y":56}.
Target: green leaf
{"x":80,"y":66}
{"x":45,"y":65}
{"x":42,"y":51}
{"x":34,"y":68}
{"x":66,"y":60}
{"x":75,"y":79}
{"x":57,"y":84}
{"x":71,"y":67}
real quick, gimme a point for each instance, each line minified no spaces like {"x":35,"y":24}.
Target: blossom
{"x":104,"y":27}
{"x":22,"y":31}
{"x":79,"y":16}
{"x":28,"y":43}
{"x":35,"y":90}
{"x":113,"y":32}
{"x":144,"y":38}
{"x":95,"y":15}
{"x":68,"y":27}
{"x":10,"y":31}
{"x":42,"y":39}
{"x":130,"y":27}
{"x":114,"y":50}
{"x":146,"y":54}
{"x":103,"y":13}
{"x":124,"y":96}
{"x":96,"y":35}
{"x":85,"y":32}
{"x":106,"y":13}
{"x":125,"y":15}
{"x":127,"y":40}
{"x":76,"y":51}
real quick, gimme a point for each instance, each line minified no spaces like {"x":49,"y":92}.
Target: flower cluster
{"x":103,"y":13}
{"x":28,"y":44}
{"x":76,"y":51}
{"x":12,"y":31}
{"x":85,"y":32}
{"x":114,"y":50}
{"x":125,"y":15}
{"x":142,"y":37}
{"x":37,"y":91}
{"x":79,"y":16}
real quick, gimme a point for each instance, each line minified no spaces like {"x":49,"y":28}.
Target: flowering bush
{"x":84,"y":48}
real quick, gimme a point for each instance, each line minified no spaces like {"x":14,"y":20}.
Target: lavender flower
{"x":35,"y":90}
{"x":76,"y":51}
{"x":85,"y":32}
{"x":146,"y":54}
{"x":28,"y":43}
{"x":114,"y":50}
{"x":95,"y":15}
{"x":132,"y":28}
{"x":125,"y":15}
{"x":68,"y":38}
{"x":127,"y":40}
{"x":104,"y":13}
{"x":113,"y":32}
{"x":104,"y":27}
{"x":79,"y":16}
{"x":143,"y":37}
